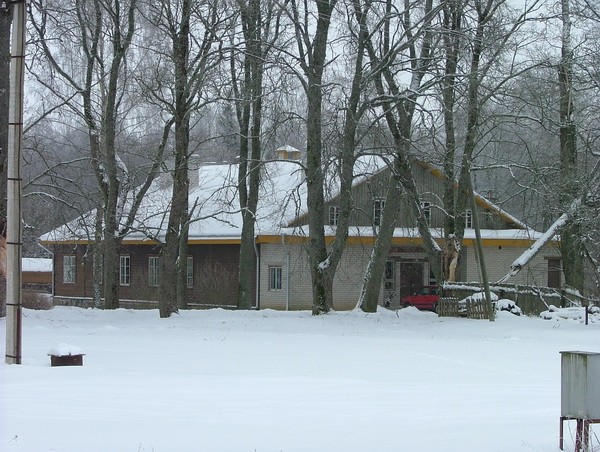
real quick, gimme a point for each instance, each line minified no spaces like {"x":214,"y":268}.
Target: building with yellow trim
{"x":281,"y":263}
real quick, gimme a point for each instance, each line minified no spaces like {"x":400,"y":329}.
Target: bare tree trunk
{"x":192,"y":58}
{"x":170,"y":259}
{"x":178,"y":215}
{"x":451,"y":34}
{"x":347,"y":155}
{"x":250,"y":121}
{"x":572,"y":248}
{"x":473,"y":109}
{"x":399,"y":117}
{"x":313,"y":64}
{"x":182,"y":300}
{"x":369,"y":296}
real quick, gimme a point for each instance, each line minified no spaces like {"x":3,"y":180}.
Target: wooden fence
{"x":531,"y":299}
{"x":448,"y":307}
{"x":453,"y":307}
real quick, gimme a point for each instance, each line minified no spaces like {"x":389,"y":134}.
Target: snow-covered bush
{"x":572,"y":313}
{"x":508,"y":305}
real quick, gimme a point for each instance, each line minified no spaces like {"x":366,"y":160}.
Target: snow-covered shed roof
{"x":36,"y":264}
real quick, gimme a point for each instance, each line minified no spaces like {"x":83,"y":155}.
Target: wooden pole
{"x":489,"y":307}
{"x":13,"y":212}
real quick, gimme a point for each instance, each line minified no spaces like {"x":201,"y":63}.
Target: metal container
{"x":580,"y":385}
{"x":68,"y":360}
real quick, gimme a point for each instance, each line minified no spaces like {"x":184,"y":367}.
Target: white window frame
{"x":124,"y":270}
{"x":275,"y":277}
{"x":389,"y":276}
{"x":190,"y":272}
{"x":153,"y":271}
{"x":378,"y":206}
{"x":468,"y":219}
{"x":69,"y":269}
{"x":334,"y":214}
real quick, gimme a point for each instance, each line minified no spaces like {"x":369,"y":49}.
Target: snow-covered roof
{"x":479,"y":199}
{"x":288,"y":148}
{"x":35,"y":264}
{"x":214,"y":203}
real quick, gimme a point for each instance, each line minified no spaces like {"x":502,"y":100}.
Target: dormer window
{"x":378,"y":205}
{"x":468,"y":219}
{"x":334,"y":214}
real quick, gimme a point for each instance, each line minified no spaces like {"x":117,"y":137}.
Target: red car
{"x":426,"y":299}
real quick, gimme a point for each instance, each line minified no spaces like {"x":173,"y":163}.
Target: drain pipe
{"x":287,"y":281}
{"x":287,"y":273}
{"x":257,"y":295}
{"x":52,"y":254}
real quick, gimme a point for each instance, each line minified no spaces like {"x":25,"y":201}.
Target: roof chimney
{"x":287,"y":153}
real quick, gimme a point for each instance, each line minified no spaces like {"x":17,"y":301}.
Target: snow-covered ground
{"x":287,"y":381}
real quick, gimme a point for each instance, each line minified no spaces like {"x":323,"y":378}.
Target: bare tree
{"x":572,"y":248}
{"x":356,"y":104}
{"x":86,"y":72}
{"x":260,"y":23}
{"x":415,"y":32}
{"x":312,"y":41}
{"x":193,"y":30}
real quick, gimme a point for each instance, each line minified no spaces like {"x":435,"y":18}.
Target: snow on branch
{"x":535,"y":248}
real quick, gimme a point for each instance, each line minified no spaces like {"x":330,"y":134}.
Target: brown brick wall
{"x":215,"y":273}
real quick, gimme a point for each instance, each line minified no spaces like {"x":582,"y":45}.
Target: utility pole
{"x":13,"y":213}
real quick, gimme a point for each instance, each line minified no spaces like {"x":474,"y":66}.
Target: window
{"x":190,"y":272}
{"x":554,"y":268}
{"x":468,"y":218}
{"x":426,"y":209}
{"x":390,"y":275}
{"x":275,"y":278}
{"x":378,"y":206}
{"x":69,"y":267}
{"x":124,"y":270}
{"x":153,"y":270}
{"x":334,"y":213}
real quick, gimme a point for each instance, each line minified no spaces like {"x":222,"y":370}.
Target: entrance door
{"x":411,"y":278}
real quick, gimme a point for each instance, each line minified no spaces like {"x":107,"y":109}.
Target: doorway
{"x":411,"y":277}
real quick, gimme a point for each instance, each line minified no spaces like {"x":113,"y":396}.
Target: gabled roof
{"x":479,"y":199}
{"x":215,"y":206}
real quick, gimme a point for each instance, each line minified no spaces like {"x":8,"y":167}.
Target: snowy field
{"x":287,"y":381}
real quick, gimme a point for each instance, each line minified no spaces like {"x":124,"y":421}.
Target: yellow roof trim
{"x":209,"y":241}
{"x":215,"y":241}
{"x":368,"y":240}
{"x":295,"y":239}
